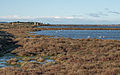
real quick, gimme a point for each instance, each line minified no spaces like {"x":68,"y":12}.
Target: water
{"x":8,"y":56}
{"x":4,"y":58}
{"x":79,"y":26}
{"x":99,"y":34}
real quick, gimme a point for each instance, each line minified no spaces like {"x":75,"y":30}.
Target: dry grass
{"x":73,"y":56}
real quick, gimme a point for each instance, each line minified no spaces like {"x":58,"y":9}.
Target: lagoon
{"x":80,"y":26}
{"x":99,"y":34}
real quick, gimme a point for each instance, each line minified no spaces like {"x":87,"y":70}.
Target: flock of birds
{"x":100,"y":37}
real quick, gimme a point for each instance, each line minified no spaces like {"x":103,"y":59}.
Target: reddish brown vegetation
{"x":91,"y":56}
{"x":72,"y":56}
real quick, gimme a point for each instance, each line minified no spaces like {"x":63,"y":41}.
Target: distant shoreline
{"x":80,"y":25}
{"x":50,"y":24}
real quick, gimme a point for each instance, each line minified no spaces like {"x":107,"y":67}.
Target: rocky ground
{"x":72,"y":56}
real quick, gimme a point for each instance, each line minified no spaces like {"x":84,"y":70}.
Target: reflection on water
{"x":99,"y":34}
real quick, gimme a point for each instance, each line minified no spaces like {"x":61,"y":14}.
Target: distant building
{"x":37,"y":23}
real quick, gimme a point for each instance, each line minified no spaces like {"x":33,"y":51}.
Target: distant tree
{"x":18,"y":21}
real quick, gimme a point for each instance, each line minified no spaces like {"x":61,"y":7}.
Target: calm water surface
{"x":99,"y":34}
{"x":78,"y":26}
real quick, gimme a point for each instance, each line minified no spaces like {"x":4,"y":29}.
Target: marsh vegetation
{"x":71,"y":56}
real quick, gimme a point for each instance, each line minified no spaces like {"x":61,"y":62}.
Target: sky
{"x":61,"y":11}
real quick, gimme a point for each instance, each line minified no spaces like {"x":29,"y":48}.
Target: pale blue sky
{"x":87,"y":10}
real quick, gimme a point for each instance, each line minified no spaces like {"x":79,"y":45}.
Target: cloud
{"x":94,"y":15}
{"x":15,"y":17}
{"x":70,"y":17}
{"x":106,"y":9}
{"x":38,"y":18}
{"x":63,"y":17}
{"x":78,"y":16}
{"x":114,"y":12}
{"x":34,"y":17}
{"x":73,"y":19}
{"x":106,"y":13}
{"x":50,"y":17}
{"x":6,"y":17}
{"x":99,"y":14}
{"x":57,"y":17}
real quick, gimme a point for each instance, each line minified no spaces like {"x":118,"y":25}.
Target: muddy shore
{"x":72,"y":56}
